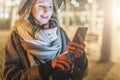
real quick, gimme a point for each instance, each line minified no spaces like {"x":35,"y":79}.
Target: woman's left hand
{"x":76,"y":48}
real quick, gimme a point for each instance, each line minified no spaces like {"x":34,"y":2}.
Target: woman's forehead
{"x":49,"y":1}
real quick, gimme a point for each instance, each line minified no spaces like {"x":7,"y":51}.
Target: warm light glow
{"x":10,"y":3}
{"x":87,"y":6}
{"x":1,"y":1}
{"x":4,"y":15}
{"x":116,"y":14}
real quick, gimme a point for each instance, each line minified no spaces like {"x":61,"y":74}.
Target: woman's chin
{"x":44,"y":21}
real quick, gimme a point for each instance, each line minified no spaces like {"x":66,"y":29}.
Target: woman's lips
{"x":44,"y":17}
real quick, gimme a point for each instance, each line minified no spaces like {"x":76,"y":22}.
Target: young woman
{"x":38,"y":49}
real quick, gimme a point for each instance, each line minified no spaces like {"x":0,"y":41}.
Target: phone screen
{"x":82,"y":31}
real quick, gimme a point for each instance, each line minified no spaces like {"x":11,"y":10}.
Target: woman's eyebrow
{"x":42,"y":2}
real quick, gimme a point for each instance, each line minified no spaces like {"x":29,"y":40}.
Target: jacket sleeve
{"x":80,"y":68}
{"x":15,"y":67}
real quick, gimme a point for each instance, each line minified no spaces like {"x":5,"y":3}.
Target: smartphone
{"x":82,"y":31}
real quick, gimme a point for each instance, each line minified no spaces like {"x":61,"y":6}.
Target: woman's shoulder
{"x":13,"y":36}
{"x":62,"y":30}
{"x":13,"y":32}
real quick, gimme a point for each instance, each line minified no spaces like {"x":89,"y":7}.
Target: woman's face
{"x":42,"y":10}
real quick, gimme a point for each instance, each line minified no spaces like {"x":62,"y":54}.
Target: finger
{"x":71,"y":48}
{"x":63,"y":54}
{"x":77,"y":45}
{"x":80,"y":39}
{"x":78,"y":54}
{"x":60,"y":66}
{"x":64,"y":64}
{"x":74,"y":48}
{"x":79,"y":51}
{"x":63,"y":58}
{"x":61,"y":62}
{"x":70,"y":51}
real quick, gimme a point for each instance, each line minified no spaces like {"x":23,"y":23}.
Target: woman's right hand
{"x":61,"y":62}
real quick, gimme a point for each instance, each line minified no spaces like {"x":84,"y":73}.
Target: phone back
{"x":82,"y":31}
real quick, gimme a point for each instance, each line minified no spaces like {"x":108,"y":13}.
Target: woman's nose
{"x":45,"y":9}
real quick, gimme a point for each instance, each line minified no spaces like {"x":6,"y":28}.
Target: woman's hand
{"x":75,"y":48}
{"x":61,"y":62}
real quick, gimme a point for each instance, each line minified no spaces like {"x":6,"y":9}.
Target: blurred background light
{"x":116,"y":13}
{"x":10,"y":3}
{"x":4,"y":15}
{"x":59,"y":10}
{"x":87,"y":6}
{"x":75,"y":3}
{"x":90,"y":1}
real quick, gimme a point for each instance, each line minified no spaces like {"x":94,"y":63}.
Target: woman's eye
{"x":40,"y":6}
{"x":50,"y":6}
